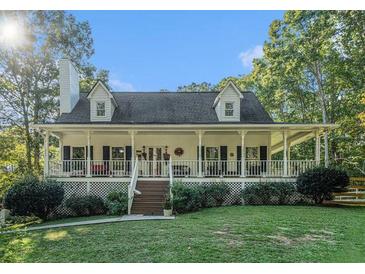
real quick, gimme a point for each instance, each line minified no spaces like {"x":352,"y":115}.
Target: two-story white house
{"x":109,"y":140}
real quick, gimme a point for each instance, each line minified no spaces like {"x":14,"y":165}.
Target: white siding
{"x":188,"y":142}
{"x":100,"y":95}
{"x":229,"y":95}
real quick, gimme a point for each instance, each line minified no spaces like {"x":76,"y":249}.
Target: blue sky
{"x":153,"y":50}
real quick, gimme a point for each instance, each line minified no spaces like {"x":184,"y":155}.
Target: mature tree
{"x":242,"y":82}
{"x":91,"y":76}
{"x":28,"y":68}
{"x":313,"y":69}
{"x":196,"y":87}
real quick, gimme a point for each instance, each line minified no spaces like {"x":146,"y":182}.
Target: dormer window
{"x":100,"y":109}
{"x":228,"y":109}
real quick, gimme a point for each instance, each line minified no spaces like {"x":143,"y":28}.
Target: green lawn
{"x":226,"y":234}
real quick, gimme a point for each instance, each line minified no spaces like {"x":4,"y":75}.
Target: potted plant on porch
{"x":167,"y":208}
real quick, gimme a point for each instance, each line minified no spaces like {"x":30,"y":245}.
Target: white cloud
{"x":247,"y":56}
{"x":118,"y":85}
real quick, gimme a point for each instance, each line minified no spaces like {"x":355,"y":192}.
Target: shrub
{"x":167,"y":204}
{"x":319,"y":183}
{"x":117,"y":203}
{"x":29,"y":196}
{"x":214,"y":194}
{"x":186,"y":199}
{"x":86,"y":205}
{"x":259,"y":193}
{"x":268,"y":193}
{"x":282,"y":192}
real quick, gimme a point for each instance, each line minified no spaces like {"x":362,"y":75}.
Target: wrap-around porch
{"x":183,"y":153}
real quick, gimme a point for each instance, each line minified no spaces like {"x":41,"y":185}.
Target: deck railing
{"x":180,"y":168}
{"x":132,"y":186}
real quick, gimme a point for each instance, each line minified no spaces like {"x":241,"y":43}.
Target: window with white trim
{"x":212,"y":153}
{"x":118,"y":153}
{"x":100,"y":109}
{"x":228,"y":109}
{"x":252,"y":153}
{"x":78,"y":153}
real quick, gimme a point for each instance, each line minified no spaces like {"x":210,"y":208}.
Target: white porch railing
{"x":296,"y":167}
{"x":159,"y":168}
{"x":78,"y":168}
{"x":180,"y":168}
{"x":132,"y":186}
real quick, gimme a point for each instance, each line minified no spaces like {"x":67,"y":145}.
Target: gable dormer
{"x":102,"y":103}
{"x":227,"y":104}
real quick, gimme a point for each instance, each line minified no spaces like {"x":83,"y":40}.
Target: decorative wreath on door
{"x":179,"y":151}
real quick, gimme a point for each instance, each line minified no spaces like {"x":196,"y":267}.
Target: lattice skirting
{"x":234,"y":197}
{"x":101,"y":189}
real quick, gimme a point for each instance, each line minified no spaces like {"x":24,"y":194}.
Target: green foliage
{"x":313,"y":70}
{"x":117,"y":203}
{"x":29,"y":196}
{"x":86,"y":205}
{"x":319,"y":183}
{"x":167,"y":205}
{"x":197,"y":87}
{"x":214,"y":194}
{"x":186,"y":199}
{"x":268,"y":193}
{"x":29,"y":89}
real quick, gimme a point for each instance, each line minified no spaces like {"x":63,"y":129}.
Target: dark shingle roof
{"x":167,"y":108}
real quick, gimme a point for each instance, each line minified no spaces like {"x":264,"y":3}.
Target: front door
{"x":154,"y":161}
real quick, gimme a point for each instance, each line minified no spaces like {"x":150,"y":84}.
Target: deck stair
{"x":355,"y":196}
{"x":151,"y":199}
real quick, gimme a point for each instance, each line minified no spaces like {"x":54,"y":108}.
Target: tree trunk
{"x":28,"y":137}
{"x":322,"y":99}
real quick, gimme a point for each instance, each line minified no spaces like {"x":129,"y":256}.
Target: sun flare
{"x":11,"y":34}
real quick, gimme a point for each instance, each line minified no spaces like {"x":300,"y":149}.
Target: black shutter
{"x":128,"y":157}
{"x":66,"y":153}
{"x":66,"y":156}
{"x":106,"y":157}
{"x":263,"y":157}
{"x":224,"y":157}
{"x":106,"y":153}
{"x":238,"y":158}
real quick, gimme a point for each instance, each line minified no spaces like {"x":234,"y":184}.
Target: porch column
{"x":285,"y":137}
{"x":326,"y":156}
{"x":318,"y":148}
{"x":132,"y":134}
{"x":200,"y":164}
{"x":60,"y":147}
{"x":46,"y":153}
{"x":243,"y":153}
{"x":269,"y":147}
{"x":88,"y":165}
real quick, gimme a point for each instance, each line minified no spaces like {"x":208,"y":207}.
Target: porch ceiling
{"x":294,"y":137}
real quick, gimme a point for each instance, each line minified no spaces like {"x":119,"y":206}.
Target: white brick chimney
{"x":69,"y":86}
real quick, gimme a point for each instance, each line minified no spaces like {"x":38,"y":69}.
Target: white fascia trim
{"x":106,"y":89}
{"x":188,"y":126}
{"x":235,"y":88}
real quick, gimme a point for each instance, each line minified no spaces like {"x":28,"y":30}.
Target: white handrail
{"x":132,"y":186}
{"x":171,"y":176}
